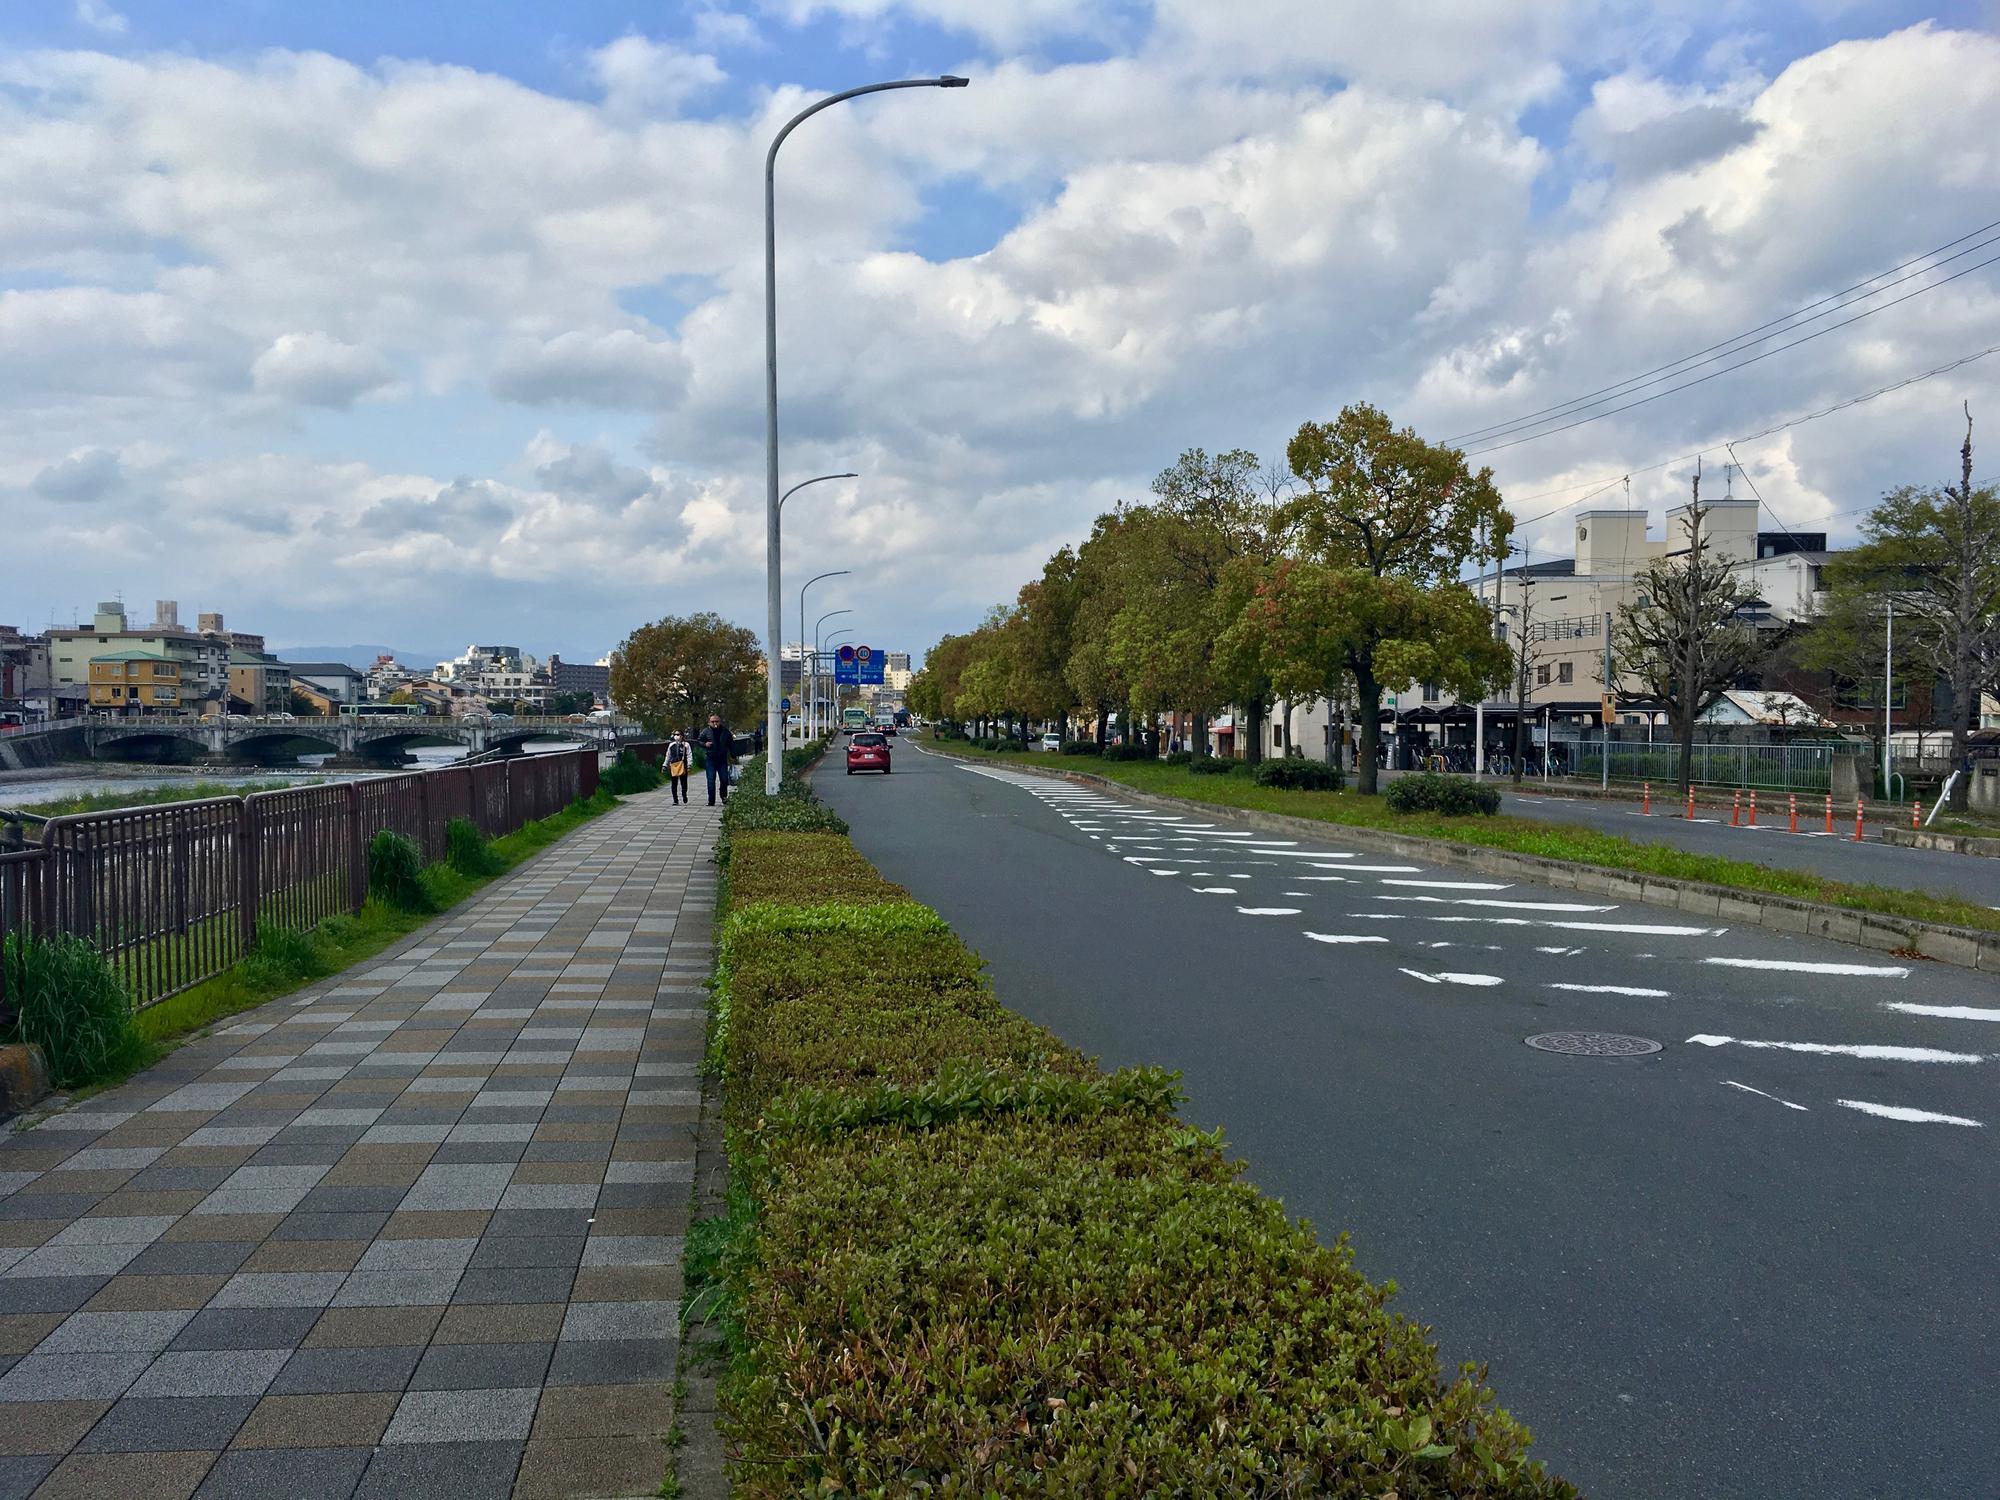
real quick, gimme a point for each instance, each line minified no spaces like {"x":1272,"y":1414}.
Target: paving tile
{"x":500,"y":1323}
{"x":441,"y":1471}
{"x":20,"y":1474}
{"x":459,"y":1367}
{"x":613,"y":1361}
{"x":52,"y":1427}
{"x":169,"y":1423}
{"x":526,"y":1284}
{"x":348,"y":1420}
{"x":129,"y":1293}
{"x":455,"y":1187}
{"x":382,"y":1368}
{"x":127,"y":1476}
{"x":247,"y":1328}
{"x":211,"y":1372}
{"x":373,"y":1327}
{"x":639,"y":1410}
{"x":418,"y":1254}
{"x":73,"y":1377}
{"x":528,"y":1250}
{"x":279,"y":1289}
{"x":112,"y":1332}
{"x":70,"y":1261}
{"x":501,"y":1415}
{"x":569,"y":1468}
{"x":306,"y":1255}
{"x":189,"y":1258}
{"x":598,"y":1321}
{"x":285,"y":1474}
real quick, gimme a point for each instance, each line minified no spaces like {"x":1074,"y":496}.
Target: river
{"x":81,"y":778}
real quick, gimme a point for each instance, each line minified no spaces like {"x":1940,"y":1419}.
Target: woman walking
{"x":679,"y":753}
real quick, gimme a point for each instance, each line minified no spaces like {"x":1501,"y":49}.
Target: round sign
{"x":785,"y":704}
{"x":847,"y":653}
{"x":864,"y":652}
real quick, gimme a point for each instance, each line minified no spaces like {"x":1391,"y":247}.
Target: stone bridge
{"x":364,"y":739}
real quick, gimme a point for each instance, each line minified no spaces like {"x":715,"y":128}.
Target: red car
{"x":868,"y":751}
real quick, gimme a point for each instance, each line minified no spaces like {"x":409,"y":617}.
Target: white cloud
{"x":101,"y":18}
{"x":642,"y":77}
{"x":316,"y":369}
{"x":621,"y":369}
{"x":87,"y":474}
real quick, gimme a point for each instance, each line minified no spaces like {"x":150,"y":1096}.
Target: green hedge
{"x":960,"y":1261}
{"x":1299,"y":775}
{"x":1081,"y":747}
{"x":1213,"y":765}
{"x":1432,"y":791}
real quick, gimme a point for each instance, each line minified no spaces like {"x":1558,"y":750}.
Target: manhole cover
{"x":1593,"y":1043}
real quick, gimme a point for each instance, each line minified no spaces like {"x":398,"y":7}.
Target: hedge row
{"x":961,"y":1261}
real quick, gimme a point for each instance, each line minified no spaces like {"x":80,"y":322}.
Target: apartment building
{"x":136,"y":682}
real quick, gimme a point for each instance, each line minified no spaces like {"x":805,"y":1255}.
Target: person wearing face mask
{"x":679,"y":754}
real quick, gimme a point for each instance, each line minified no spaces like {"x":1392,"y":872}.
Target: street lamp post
{"x":804,"y":661}
{"x":816,"y":629}
{"x":774,"y":762}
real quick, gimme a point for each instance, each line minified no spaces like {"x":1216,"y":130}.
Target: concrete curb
{"x":1951,"y":843}
{"x":1962,"y":946}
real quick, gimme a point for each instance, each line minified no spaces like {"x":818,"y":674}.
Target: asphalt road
{"x":1730,"y":1268}
{"x":1870,"y":862}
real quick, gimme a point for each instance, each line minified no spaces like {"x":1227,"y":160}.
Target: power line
{"x":1644,"y":378}
{"x":1598,"y":486}
{"x":1739,"y":365}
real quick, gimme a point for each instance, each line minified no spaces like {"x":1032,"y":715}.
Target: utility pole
{"x":1610,"y":694}
{"x":1889,"y":686}
{"x":1691,"y":639}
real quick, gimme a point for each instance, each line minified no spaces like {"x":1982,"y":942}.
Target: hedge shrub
{"x":1432,"y":791}
{"x":70,"y":1003}
{"x":1081,"y":747}
{"x":1299,"y":775}
{"x":960,"y":1261}
{"x":1179,"y":757}
{"x":1213,"y":765}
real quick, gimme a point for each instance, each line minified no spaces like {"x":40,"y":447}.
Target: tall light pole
{"x":816,"y":628}
{"x":774,"y":760}
{"x":806,"y":662}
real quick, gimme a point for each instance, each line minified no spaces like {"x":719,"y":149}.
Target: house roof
{"x":1778,"y":709}
{"x":324,"y":669}
{"x":137,"y":656}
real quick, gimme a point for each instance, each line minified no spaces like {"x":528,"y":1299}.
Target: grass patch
{"x":1549,"y":840}
{"x":69,"y":1002}
{"x":195,"y":791}
{"x":283,"y":961}
{"x":959,"y":1260}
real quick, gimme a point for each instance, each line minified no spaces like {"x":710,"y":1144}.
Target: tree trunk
{"x":1521,"y":722}
{"x":1103,"y":725}
{"x":1369,"y":692}
{"x":1198,"y":741}
{"x":1253,"y":731}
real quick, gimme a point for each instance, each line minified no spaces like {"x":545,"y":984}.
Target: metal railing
{"x":1796,"y":767}
{"x":173,"y":894}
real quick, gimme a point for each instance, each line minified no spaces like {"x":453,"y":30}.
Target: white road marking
{"x":1946,"y":1012}
{"x":1733,"y":1084}
{"x":1215,"y":890}
{"x":1446,"y":885}
{"x":1140,"y":859}
{"x":1533,"y":905}
{"x":1914,"y":1116}
{"x":1478,"y":981}
{"x":1339,"y":879}
{"x":1163,"y":872}
{"x":1798,"y":966}
{"x":1614,"y":989}
{"x":1268,"y":911}
{"x":1869,"y":1053}
{"x":1559,"y":951}
{"x":1345,"y":937}
{"x":1382,"y":870}
{"x":1236,"y":875}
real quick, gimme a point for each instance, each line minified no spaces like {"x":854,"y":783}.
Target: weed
{"x":70,"y":1003}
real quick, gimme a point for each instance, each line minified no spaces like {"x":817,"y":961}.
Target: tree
{"x":1393,"y":520}
{"x":1934,"y":555}
{"x":676,"y":671}
{"x":570,"y":703}
{"x":1682,"y":636}
{"x":1524,"y":645}
{"x":1094,"y":677}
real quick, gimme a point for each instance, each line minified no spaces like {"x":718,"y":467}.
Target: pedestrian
{"x":717,"y":745}
{"x":679,"y":753}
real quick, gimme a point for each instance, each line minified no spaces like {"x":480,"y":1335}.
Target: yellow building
{"x":135,"y":680}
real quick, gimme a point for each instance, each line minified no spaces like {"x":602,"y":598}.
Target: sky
{"x":427,"y":324}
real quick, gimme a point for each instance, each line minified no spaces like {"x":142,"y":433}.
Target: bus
{"x":852,"y":719}
{"x":381,"y":710}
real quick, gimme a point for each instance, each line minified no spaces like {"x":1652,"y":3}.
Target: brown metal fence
{"x":20,"y":910}
{"x":172,"y":895}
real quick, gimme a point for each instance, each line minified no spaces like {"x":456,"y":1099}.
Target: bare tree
{"x":1682,"y":637}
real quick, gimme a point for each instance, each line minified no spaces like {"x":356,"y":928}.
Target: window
{"x":1431,"y":693}
{"x":1542,"y":675}
{"x":1566,"y":671}
{"x":1277,"y":736}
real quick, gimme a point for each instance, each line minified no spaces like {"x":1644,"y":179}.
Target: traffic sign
{"x":785,"y":704}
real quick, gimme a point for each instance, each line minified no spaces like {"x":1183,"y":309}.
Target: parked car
{"x":868,"y":750}
{"x":1052,"y":742}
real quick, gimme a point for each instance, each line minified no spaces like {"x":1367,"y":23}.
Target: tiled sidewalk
{"x":415,"y":1232}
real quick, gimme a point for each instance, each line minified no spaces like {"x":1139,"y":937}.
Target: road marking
{"x":1733,"y":1084}
{"x":1381,"y":870}
{"x":1529,"y":905}
{"x":1339,"y":879}
{"x":1163,"y":872}
{"x":1236,"y":875}
{"x":1842,"y":1049}
{"x":1345,"y":937}
{"x":1444,"y":885}
{"x":1947,"y":1012}
{"x":1477,"y":981}
{"x":1914,"y":1116}
{"x":1559,"y":951}
{"x":1140,"y":859}
{"x":1215,"y":890}
{"x":1614,"y":989}
{"x":1798,"y":966}
{"x":1268,"y":911}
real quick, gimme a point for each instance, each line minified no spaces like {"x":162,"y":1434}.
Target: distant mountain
{"x":361,"y":658}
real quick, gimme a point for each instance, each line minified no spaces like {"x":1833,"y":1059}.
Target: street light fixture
{"x":817,"y":479}
{"x":806,"y":663}
{"x":774,"y":762}
{"x":816,"y":643}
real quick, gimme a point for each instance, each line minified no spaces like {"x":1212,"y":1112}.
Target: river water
{"x":80,"y":778}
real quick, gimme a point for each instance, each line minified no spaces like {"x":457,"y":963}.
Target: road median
{"x":960,"y":1258}
{"x":1965,"y":945}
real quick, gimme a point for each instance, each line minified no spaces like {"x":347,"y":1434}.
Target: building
{"x":135,"y":682}
{"x":204,"y":653}
{"x":896,"y":673}
{"x":258,"y":684}
{"x":575,"y":677}
{"x":24,"y":672}
{"x":334,"y":681}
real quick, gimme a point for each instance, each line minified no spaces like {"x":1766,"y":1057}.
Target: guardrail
{"x":173,"y":894}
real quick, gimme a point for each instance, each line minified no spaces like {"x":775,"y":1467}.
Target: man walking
{"x":679,"y":753}
{"x":717,"y":745}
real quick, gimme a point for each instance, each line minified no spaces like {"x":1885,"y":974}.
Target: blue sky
{"x":420,"y":322}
